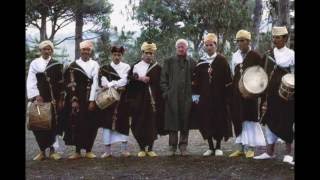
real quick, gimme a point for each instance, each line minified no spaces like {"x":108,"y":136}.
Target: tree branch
{"x":67,"y":38}
{"x":72,"y":37}
{"x":35,"y":24}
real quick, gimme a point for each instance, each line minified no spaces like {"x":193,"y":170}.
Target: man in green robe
{"x":176,"y":86}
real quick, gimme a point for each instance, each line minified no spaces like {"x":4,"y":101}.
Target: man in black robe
{"x":146,"y":103}
{"x":279,"y":112}
{"x":245,"y":109}
{"x":212,"y":81}
{"x":79,"y":115}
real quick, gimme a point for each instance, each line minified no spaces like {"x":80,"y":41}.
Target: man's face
{"x":279,"y":41}
{"x":181,"y":49}
{"x":243,"y":44}
{"x":116,"y":57}
{"x":210,"y":47}
{"x":46,"y":52}
{"x":85,"y":53}
{"x":148,"y":57}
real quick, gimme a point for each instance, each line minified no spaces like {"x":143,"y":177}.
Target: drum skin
{"x":253,"y":82}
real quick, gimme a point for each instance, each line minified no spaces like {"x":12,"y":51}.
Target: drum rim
{"x":285,"y":82}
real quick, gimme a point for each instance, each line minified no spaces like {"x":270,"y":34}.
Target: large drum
{"x":40,"y":116}
{"x":253,"y":82}
{"x":106,"y":97}
{"x":286,"y":89}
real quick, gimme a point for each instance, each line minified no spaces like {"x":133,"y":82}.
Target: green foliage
{"x":265,"y":42}
{"x":102,"y":48}
{"x":166,"y":21}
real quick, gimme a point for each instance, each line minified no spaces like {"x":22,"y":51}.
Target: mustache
{"x":87,"y":54}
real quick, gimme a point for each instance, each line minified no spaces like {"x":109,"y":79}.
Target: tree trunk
{"x":256,"y":23}
{"x":78,"y":33}
{"x":284,"y":18}
{"x":43,"y":27}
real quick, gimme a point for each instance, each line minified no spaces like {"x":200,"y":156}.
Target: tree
{"x":284,"y":18}
{"x":61,"y":56}
{"x":95,"y":11}
{"x":256,"y":23}
{"x":38,"y":12}
{"x":164,"y":21}
{"x":221,"y":17}
{"x":159,"y":19}
{"x":102,"y":48}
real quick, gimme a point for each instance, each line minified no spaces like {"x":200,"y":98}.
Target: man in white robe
{"x":38,"y":91}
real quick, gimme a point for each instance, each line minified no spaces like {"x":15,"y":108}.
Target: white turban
{"x":243,"y":34}
{"x":211,"y":37}
{"x":182,"y":41}
{"x":86,"y":44}
{"x":148,"y":47}
{"x":46,"y":43}
{"x":279,"y":31}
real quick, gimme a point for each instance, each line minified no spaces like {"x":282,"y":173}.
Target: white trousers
{"x":110,"y":137}
{"x":251,"y":135}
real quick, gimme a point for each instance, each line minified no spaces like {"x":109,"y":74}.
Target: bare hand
{"x":92,"y":106}
{"x":264,"y":107}
{"x":75,"y":105}
{"x":39,"y":99}
{"x":144,"y":79}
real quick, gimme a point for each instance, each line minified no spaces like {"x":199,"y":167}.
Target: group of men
{"x":182,"y":94}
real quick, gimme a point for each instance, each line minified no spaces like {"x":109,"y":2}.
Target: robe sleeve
{"x":154,"y":79}
{"x":32,"y":89}
{"x":94,"y":85}
{"x":104,"y":81}
{"x":164,"y":79}
{"x":124,"y":78}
